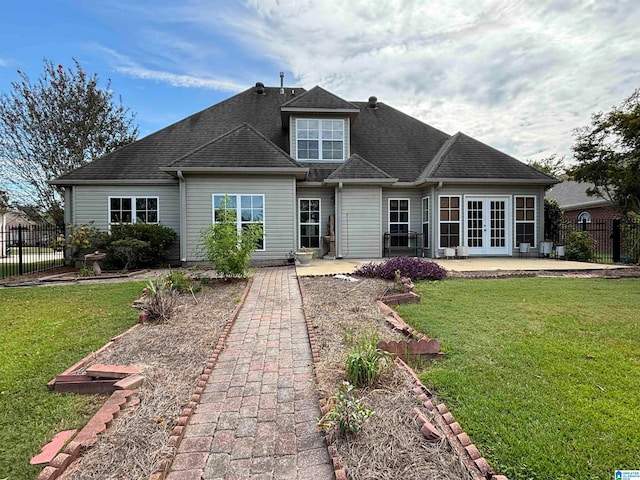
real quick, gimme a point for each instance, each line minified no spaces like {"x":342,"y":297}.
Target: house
{"x":305,"y":163}
{"x":577,"y":206}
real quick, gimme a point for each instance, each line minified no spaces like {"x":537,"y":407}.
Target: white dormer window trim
{"x":320,"y":139}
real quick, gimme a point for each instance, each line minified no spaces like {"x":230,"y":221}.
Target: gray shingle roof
{"x":571,"y":194}
{"x":356,"y":167}
{"x":243,"y":146}
{"x":392,"y":142}
{"x":318,"y":98}
{"x":142,"y":159}
{"x":463,"y":157}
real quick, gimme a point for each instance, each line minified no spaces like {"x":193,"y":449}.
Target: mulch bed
{"x":390,"y":444}
{"x":171,"y":356}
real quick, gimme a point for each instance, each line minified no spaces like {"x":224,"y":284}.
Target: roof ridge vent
{"x":260,"y":88}
{"x":373,"y":102}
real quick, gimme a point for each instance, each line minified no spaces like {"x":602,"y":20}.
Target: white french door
{"x":487,"y":223}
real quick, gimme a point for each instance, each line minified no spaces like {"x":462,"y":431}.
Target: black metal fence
{"x":30,"y":248}
{"x":614,"y":241}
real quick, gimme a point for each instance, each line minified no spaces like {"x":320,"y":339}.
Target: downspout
{"x":435,"y":215}
{"x":183,"y":217}
{"x":338,"y":224}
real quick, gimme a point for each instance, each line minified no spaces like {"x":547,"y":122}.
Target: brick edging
{"x":168,"y":452}
{"x":336,"y":461}
{"x":459,"y":441}
{"x":82,"y":363}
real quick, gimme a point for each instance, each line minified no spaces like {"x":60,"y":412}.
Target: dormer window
{"x":319,"y":139}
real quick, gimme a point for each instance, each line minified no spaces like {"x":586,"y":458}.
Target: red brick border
{"x":336,"y":460}
{"x":168,"y":453}
{"x":467,"y":452}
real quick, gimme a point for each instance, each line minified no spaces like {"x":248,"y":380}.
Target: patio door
{"x":487,"y":225}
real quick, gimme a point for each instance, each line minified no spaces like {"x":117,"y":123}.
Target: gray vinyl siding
{"x":90,"y":203}
{"x":279,"y":211}
{"x":360,"y":229}
{"x":327,"y":207}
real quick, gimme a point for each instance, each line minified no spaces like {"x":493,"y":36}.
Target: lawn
{"x":43,"y":331}
{"x":542,"y":373}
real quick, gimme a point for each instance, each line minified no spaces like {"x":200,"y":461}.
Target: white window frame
{"x":407,"y":223}
{"x":320,"y":138}
{"x":425,"y":222}
{"x":318,"y":223}
{"x":134,"y":213}
{"x":517,"y":222}
{"x":451,"y":222}
{"x":239,"y":222}
{"x":584,"y":217}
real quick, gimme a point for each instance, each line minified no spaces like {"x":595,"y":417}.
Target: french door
{"x":487,"y":223}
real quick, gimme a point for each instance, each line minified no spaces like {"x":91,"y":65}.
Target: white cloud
{"x":518,"y":75}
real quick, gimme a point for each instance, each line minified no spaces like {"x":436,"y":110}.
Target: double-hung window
{"x":309,"y":226}
{"x":133,"y":210}
{"x":425,"y":221}
{"x":248,"y":210}
{"x":525,"y":220}
{"x":319,"y":139}
{"x":449,"y":221}
{"x":399,"y":221}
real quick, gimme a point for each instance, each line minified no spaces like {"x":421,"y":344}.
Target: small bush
{"x":160,"y":299}
{"x":413,"y":268}
{"x":180,"y":282}
{"x":580,"y":247}
{"x":129,"y":252}
{"x":347,"y":414}
{"x":227,"y":249}
{"x":365,"y":363}
{"x":158,"y":237}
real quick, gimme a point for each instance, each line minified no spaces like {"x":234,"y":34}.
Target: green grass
{"x":542,"y":373}
{"x":43,"y":331}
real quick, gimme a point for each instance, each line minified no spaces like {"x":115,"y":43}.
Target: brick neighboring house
{"x":577,"y":206}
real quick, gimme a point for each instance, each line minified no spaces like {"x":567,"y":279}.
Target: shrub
{"x":158,"y":237}
{"x":365,"y":363}
{"x":410,"y":267}
{"x":129,"y":252}
{"x":347,"y":414}
{"x":160,"y":299}
{"x":180,"y":282}
{"x":228,"y":250}
{"x":580,"y":247}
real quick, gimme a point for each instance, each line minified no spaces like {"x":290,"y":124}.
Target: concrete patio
{"x":346,"y":267}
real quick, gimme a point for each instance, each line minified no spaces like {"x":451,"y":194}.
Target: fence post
{"x":615,"y":240}
{"x":20,"y":241}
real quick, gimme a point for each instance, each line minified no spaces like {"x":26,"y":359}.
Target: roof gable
{"x":463,"y":157}
{"x":357,"y":168}
{"x":240,"y":147}
{"x":318,"y":99}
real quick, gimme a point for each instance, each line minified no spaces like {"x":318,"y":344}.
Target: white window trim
{"x":320,"y":159}
{"x":133,"y":208}
{"x":459,"y":222}
{"x":408,"y":222}
{"x":516,"y":221}
{"x":239,"y":216}
{"x":426,"y":221}
{"x":319,"y":223}
{"x":584,"y":216}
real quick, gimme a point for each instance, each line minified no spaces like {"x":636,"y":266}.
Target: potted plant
{"x":304,"y":256}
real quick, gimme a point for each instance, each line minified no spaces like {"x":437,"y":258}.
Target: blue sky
{"x":519,"y":75}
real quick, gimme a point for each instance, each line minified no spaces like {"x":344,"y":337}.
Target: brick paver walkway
{"x":257,"y":416}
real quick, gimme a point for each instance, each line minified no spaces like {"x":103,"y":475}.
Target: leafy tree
{"x":227,"y":249}
{"x":553,"y":220}
{"x":54,"y":125}
{"x":4,"y":201}
{"x":551,"y":165}
{"x":608,"y":155}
